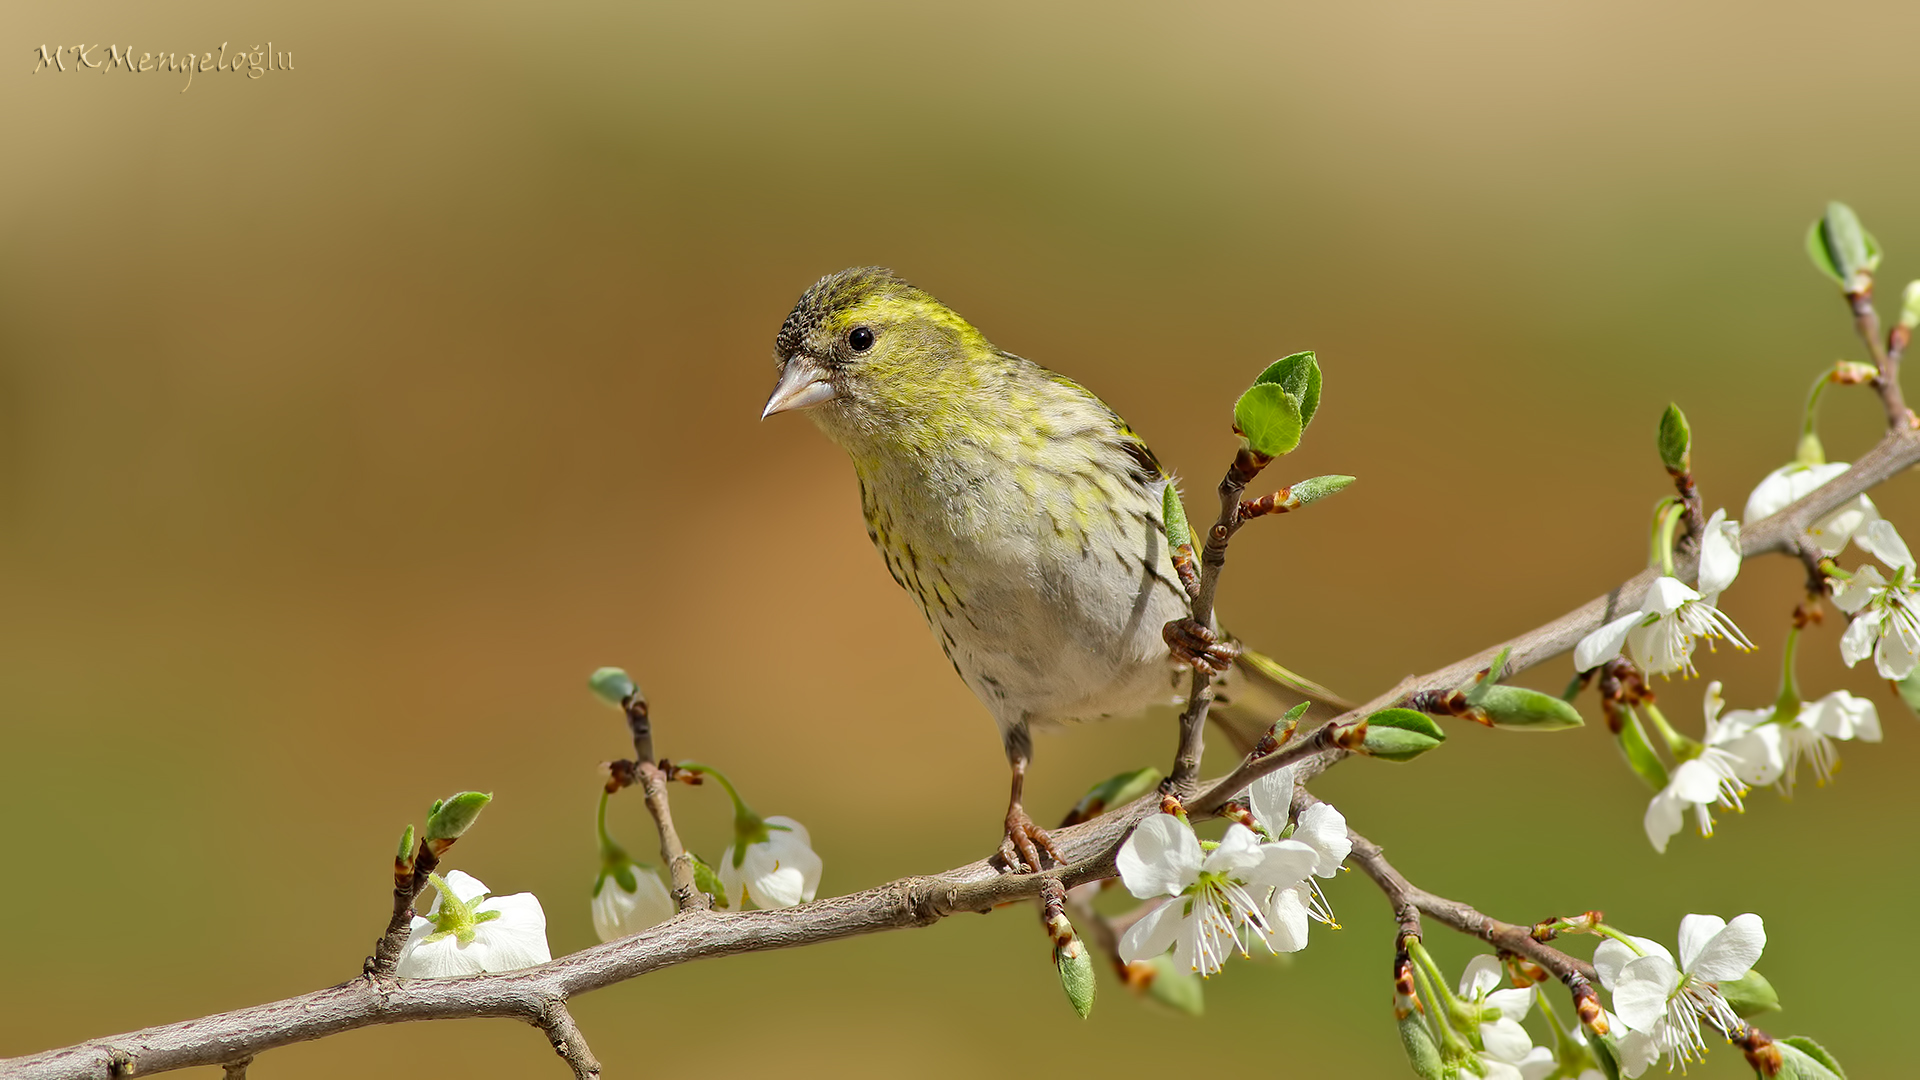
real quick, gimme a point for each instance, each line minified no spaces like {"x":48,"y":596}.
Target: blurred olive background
{"x":351,"y":415}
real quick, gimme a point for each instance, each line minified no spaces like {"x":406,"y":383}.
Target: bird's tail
{"x":1257,"y":691}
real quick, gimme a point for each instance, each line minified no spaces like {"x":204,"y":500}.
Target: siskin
{"x":1019,"y":511}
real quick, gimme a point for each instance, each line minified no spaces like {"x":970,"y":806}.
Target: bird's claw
{"x":1025,"y":844}
{"x":1194,"y":644}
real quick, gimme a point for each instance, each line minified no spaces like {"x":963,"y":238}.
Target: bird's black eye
{"x":860,"y":338}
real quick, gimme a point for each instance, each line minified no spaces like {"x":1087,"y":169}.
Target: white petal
{"x":1324,"y":829}
{"x":731,"y":882}
{"x":1695,"y":782}
{"x":1612,"y":955}
{"x":1153,"y":934}
{"x":1287,"y":916}
{"x":1604,"y":644}
{"x":1663,"y":819}
{"x":1756,"y":752}
{"x":1637,"y":1052}
{"x":1880,"y":540}
{"x":1506,"y":1040}
{"x":1539,"y":1064}
{"x":1898,"y":651}
{"x":1665,"y":596}
{"x":1238,"y":853}
{"x":1719,"y":554}
{"x":618,"y":913}
{"x":517,"y":939}
{"x":1728,"y":953}
{"x":1856,"y":644}
{"x":1161,"y":857}
{"x":1645,"y":984}
{"x":464,"y":885}
{"x":442,"y":959}
{"x":1283,"y":864}
{"x":1773,"y":494}
{"x":1482,"y":976}
{"x":1831,"y":533}
{"x":1514,"y":1003}
{"x":1852,"y":594}
{"x":1843,"y":716}
{"x":1272,"y":799}
{"x":1695,"y":932}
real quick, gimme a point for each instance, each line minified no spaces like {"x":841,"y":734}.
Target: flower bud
{"x":1173,"y":515}
{"x":1676,"y":440}
{"x":448,"y":820}
{"x":1843,"y":250}
{"x":1586,"y":1005}
{"x":1070,"y":959}
{"x":1423,"y":1054}
{"x":1400,"y":735}
{"x":612,"y":686}
{"x":1520,"y":709}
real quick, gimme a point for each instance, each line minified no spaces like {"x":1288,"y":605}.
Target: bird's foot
{"x":1025,"y":844}
{"x":1192,"y":643}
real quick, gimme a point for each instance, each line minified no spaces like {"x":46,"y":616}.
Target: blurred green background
{"x":351,"y":415}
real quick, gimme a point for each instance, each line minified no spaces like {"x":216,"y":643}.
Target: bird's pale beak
{"x":803,"y":384}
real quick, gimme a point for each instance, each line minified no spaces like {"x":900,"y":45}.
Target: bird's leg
{"x":1025,"y":842}
{"x":1192,"y":643}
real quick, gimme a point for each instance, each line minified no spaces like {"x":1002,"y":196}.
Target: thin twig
{"x":567,"y":1040}
{"x":406,"y":889}
{"x":1886,"y":361}
{"x":1193,"y":720}
{"x":686,"y":894}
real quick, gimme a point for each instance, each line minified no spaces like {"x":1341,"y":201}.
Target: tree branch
{"x":531,"y":995}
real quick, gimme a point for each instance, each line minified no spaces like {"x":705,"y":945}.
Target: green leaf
{"x":452,"y":818}
{"x":1401,"y":735}
{"x":1269,"y":419}
{"x":1115,"y":790}
{"x":1842,"y":249}
{"x":1498,"y":667}
{"x":406,"y":846}
{"x":1298,"y":375}
{"x":1174,"y":515}
{"x":612,"y":686}
{"x":1076,"y":975}
{"x":1517,"y":708}
{"x":1805,"y":1059}
{"x":1910,"y":306}
{"x":1750,"y":995}
{"x":1676,"y":440}
{"x":1639,"y":753}
{"x":1909,"y":688}
{"x":707,"y":880}
{"x":1175,"y":988}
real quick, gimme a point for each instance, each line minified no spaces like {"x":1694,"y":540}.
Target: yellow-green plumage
{"x":1021,"y":513}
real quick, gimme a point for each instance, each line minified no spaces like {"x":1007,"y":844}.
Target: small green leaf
{"x":612,"y":686}
{"x":452,"y":818}
{"x":1401,"y":735}
{"x":707,"y":880}
{"x":1842,"y":249}
{"x":1639,"y":753}
{"x":1910,"y":306}
{"x":1676,"y":440}
{"x":1495,"y":669}
{"x":406,"y":846}
{"x":1298,"y":375}
{"x":1114,"y":791}
{"x":1517,"y":708}
{"x":1174,"y":515}
{"x":1804,"y":1059}
{"x":1174,"y":988}
{"x":1269,"y":419}
{"x":1750,"y":995}
{"x":1076,"y":975}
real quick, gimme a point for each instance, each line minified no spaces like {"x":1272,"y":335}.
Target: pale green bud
{"x":451,"y":818}
{"x":1676,"y":440}
{"x":612,"y":686}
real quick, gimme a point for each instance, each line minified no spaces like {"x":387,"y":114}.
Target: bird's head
{"x":878,"y":363}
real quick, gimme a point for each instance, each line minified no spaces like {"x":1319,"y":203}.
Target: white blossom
{"x":468,"y":931}
{"x":1660,"y":636}
{"x":619,"y":911}
{"x":1886,"y":612}
{"x":1211,"y":910}
{"x":1667,"y":1001}
{"x":779,"y":871}
{"x":1507,"y":1050}
{"x":1321,"y":828}
{"x":1851,"y":520}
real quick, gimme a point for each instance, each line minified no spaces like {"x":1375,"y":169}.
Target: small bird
{"x":1019,"y":511}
